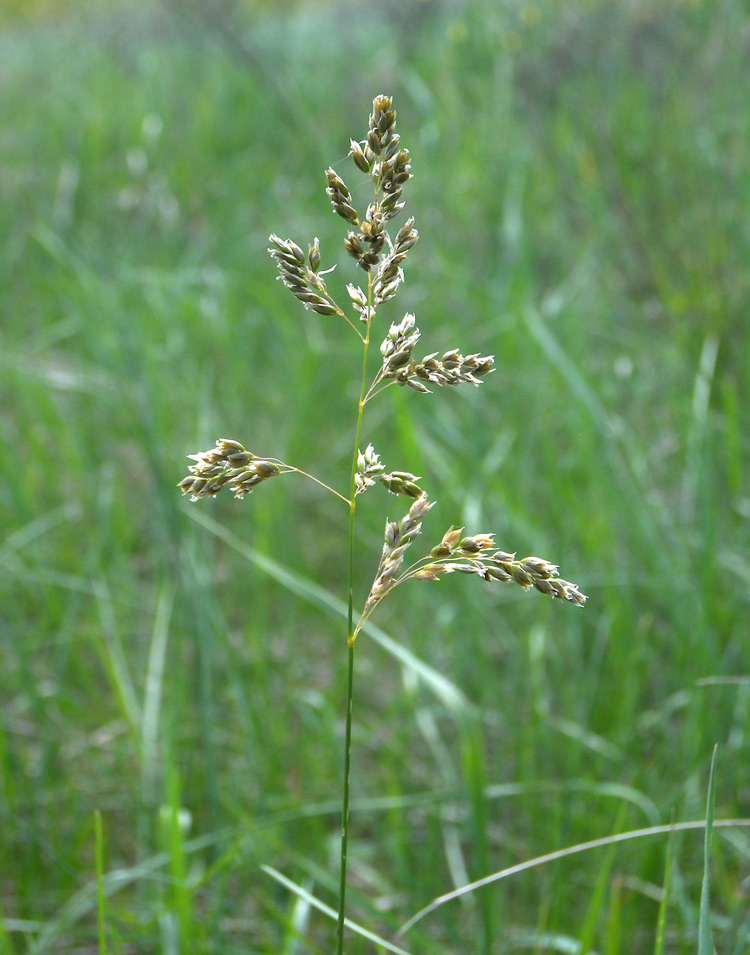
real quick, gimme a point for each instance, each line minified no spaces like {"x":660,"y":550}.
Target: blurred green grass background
{"x":582,"y":184}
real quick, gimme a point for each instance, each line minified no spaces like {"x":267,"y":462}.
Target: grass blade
{"x":561,"y":854}
{"x":705,"y":936}
{"x":154,"y":684}
{"x":661,"y":924}
{"x":298,"y":920}
{"x":181,"y":901}
{"x":99,"y":849}
{"x":114,"y":659}
{"x":331,"y":913}
{"x":597,"y":899}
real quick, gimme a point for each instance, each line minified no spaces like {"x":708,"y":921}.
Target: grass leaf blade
{"x":705,"y":936}
{"x":327,"y":910}
{"x":661,"y":924}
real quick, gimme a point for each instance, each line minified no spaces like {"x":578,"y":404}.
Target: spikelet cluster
{"x":452,"y":368}
{"x":302,"y":276}
{"x":399,"y":536}
{"x":389,"y":274}
{"x":381,"y":157}
{"x":388,"y":165}
{"x":369,"y":466}
{"x":478,"y":555}
{"x":227,"y":464}
{"x":402,"y":482}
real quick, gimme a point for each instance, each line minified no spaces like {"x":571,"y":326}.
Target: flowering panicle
{"x":381,"y":157}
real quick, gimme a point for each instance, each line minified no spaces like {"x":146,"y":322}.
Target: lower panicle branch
{"x":474,"y":555}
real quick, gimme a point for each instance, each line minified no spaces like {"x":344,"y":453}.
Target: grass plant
{"x":381,"y":255}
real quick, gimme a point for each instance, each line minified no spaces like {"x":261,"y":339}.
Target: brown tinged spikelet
{"x":227,"y":464}
{"x":355,"y":246}
{"x":402,"y":482}
{"x":398,"y":345}
{"x":362,"y":160}
{"x":394,"y":173}
{"x":373,"y":232}
{"x":389,"y":274}
{"x":382,"y":124}
{"x":359,"y":301}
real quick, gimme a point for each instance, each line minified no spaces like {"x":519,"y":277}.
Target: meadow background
{"x":582,"y":186}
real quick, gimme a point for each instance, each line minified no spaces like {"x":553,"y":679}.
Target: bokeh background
{"x":582,"y":187}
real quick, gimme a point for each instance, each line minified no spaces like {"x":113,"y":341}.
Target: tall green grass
{"x":581,"y":194}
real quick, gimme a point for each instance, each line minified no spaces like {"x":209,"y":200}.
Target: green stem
{"x":350,"y":643}
{"x":345,"y":804}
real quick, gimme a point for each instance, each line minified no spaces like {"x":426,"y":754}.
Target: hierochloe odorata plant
{"x":381,"y":256}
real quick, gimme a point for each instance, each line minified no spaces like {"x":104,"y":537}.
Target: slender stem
{"x":350,"y":643}
{"x":345,"y":803}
